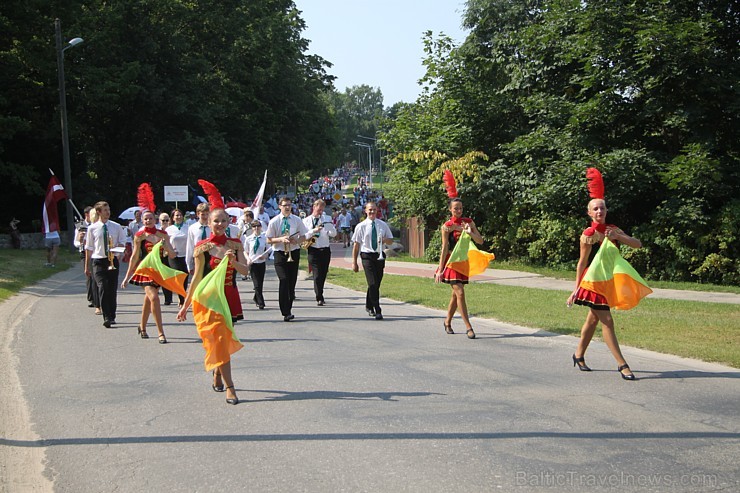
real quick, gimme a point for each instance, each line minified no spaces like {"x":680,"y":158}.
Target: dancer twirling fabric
{"x":608,"y":282}
{"x":208,"y":292}
{"x":457,"y":232}
{"x":143,"y":243}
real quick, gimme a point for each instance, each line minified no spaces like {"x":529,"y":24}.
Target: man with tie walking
{"x":102,"y":237}
{"x":319,"y":253}
{"x":368,"y":240}
{"x":286,"y":232}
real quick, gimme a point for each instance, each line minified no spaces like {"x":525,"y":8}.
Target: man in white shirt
{"x":255,"y":249}
{"x":319,"y":254}
{"x":369,"y":237}
{"x":197,"y":232}
{"x":263,"y":217}
{"x":286,"y":232}
{"x":102,"y":236}
{"x":345,"y":226}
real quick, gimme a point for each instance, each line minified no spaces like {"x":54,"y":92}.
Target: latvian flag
{"x":54,"y":193}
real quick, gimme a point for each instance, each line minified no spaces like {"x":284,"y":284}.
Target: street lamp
{"x":65,"y":131}
{"x":380,"y":157}
{"x":369,"y":156}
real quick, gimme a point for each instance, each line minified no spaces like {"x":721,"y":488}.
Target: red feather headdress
{"x":145,"y":198}
{"x":214,"y":196}
{"x":450,"y":184}
{"x":595,"y":183}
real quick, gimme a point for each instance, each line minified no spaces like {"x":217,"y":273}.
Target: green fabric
{"x":608,"y":262}
{"x":374,"y":237}
{"x":210,"y":292}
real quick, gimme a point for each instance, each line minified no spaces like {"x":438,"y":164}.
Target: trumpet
{"x":111,"y":266}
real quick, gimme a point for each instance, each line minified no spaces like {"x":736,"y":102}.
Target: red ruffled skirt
{"x":590,"y":299}
{"x":142,"y":280}
{"x":451,"y":276}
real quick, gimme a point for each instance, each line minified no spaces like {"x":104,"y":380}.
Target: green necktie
{"x":315,"y":223}
{"x":374,"y":237}
{"x":286,"y":227}
{"x":105,"y":239}
{"x":256,"y":244}
{"x":203,"y":232}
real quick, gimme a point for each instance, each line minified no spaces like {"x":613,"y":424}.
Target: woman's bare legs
{"x":152,"y":305}
{"x":225,"y":372}
{"x":610,"y":338}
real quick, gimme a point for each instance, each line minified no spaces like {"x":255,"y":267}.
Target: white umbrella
{"x":234,"y":211}
{"x":128,"y":213}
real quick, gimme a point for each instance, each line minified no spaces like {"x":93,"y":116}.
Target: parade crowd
{"x":187,"y":254}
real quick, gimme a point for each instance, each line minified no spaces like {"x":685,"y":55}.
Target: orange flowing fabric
{"x":467,"y":259}
{"x":213,"y":318}
{"x":167,"y":277}
{"x":615,"y":279}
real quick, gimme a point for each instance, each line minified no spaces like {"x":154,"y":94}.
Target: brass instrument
{"x":288,"y":251}
{"x":111,"y":266}
{"x":310,"y":242}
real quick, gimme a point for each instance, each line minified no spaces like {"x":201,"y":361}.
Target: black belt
{"x":318,"y":248}
{"x":373,"y":255}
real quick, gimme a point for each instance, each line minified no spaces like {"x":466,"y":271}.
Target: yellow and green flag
{"x":213,"y":318}
{"x":467,"y":259}
{"x":614,"y":278}
{"x":165,"y":276}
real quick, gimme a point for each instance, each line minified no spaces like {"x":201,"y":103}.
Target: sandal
{"x":217,"y":388}
{"x":448,"y":328}
{"x":630,"y":375}
{"x":143,"y":334}
{"x":233,"y":401}
{"x":162,"y":339}
{"x":471,"y":333}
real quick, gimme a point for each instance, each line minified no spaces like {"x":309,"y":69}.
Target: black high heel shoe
{"x":581,"y":363}
{"x":233,"y":401}
{"x":448,"y":328}
{"x":470,"y":333}
{"x":631,"y":375}
{"x":143,"y":334}
{"x":217,"y":388}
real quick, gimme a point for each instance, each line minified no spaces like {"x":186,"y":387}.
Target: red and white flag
{"x":54,"y":193}
{"x":258,"y":199}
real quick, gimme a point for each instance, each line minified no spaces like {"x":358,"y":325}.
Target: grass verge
{"x":705,"y":331}
{"x":21,"y":268}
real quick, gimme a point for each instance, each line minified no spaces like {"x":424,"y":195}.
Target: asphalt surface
{"x":337,"y":401}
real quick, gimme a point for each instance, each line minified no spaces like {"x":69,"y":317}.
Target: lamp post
{"x":369,"y":155}
{"x":65,"y":131}
{"x":380,"y":157}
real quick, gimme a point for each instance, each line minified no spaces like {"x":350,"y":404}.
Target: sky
{"x":378,"y":42}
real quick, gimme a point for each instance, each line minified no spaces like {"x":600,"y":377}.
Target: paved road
{"x":337,"y":401}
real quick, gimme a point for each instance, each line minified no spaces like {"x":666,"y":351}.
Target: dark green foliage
{"x":161,"y":91}
{"x":647,"y":92}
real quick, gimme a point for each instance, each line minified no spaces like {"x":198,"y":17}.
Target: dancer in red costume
{"x":599,"y":307}
{"x":144,"y":240}
{"x":451,"y":231}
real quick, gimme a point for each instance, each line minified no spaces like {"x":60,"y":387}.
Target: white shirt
{"x":329,"y":231}
{"x":178,"y":239}
{"x":363,"y":235}
{"x":264,"y":218}
{"x":133,"y":228}
{"x":345,"y":220}
{"x":77,"y":243}
{"x":94,"y":239}
{"x":254,"y":257}
{"x":274,"y":230}
{"x":195,"y":234}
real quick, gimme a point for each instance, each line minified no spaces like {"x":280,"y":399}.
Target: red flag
{"x":54,"y":193}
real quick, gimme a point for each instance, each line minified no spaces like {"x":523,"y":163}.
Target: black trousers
{"x":179,"y":264}
{"x":107,"y":283}
{"x":92,"y":289}
{"x":374,"y":275}
{"x":257,"y":271}
{"x":287,"y":273}
{"x":319,"y":259}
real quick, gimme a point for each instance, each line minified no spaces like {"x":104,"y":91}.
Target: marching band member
{"x":319,"y":252}
{"x":369,"y":237}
